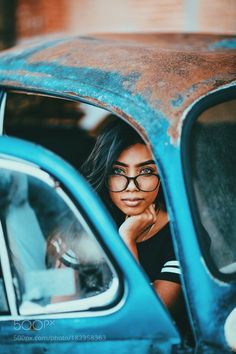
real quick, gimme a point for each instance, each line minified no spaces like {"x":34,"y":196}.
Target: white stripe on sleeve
{"x":171,"y":270}
{"x":172,"y":263}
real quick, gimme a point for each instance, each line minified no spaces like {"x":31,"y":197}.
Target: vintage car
{"x":179,"y":92}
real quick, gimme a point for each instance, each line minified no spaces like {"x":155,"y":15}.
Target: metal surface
{"x":132,"y":75}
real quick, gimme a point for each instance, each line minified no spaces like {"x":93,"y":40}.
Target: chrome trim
{"x":2,"y":112}
{"x":7,"y":274}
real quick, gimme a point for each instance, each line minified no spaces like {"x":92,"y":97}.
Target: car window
{"x":212,"y":157}
{"x":64,"y":127}
{"x":57,"y":262}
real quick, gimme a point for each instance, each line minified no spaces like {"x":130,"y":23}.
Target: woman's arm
{"x":135,"y":226}
{"x":171,"y":295}
{"x":169,"y":292}
{"x":132,"y":247}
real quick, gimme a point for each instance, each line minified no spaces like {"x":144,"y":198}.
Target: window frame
{"x":117,"y":287}
{"x":212,"y":99}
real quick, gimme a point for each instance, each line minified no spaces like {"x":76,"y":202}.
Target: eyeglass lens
{"x":146,"y":183}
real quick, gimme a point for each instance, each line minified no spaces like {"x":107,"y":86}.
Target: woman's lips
{"x":132,"y":202}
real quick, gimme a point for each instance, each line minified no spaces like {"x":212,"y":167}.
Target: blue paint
{"x":105,"y":86}
{"x":112,"y":87}
{"x":96,"y":78}
{"x":223,"y":44}
{"x":178,"y":101}
{"x":102,"y":85}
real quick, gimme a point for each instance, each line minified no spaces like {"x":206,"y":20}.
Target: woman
{"x":122,"y":171}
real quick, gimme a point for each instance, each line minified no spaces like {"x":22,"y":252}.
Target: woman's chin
{"x":132,"y":211}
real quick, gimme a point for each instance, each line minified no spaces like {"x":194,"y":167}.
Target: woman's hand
{"x":138,"y":225}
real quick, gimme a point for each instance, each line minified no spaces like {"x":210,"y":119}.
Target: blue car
{"x":179,"y":92}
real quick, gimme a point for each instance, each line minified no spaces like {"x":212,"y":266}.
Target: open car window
{"x":212,"y":159}
{"x":62,"y":126}
{"x":55,"y":260}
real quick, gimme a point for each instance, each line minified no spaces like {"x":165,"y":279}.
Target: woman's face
{"x":135,"y":160}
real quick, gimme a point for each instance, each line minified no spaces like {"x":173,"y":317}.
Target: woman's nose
{"x":131,"y":186}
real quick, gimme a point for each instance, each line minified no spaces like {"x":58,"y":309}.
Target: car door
{"x":210,"y":174}
{"x":200,"y":174}
{"x":70,"y":284}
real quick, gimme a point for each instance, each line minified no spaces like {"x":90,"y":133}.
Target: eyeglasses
{"x":144,"y":182}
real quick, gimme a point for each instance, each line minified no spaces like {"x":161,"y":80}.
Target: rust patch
{"x":162,"y":74}
{"x":33,"y":74}
{"x":175,"y":41}
{"x":166,"y":73}
{"x":25,"y":73}
{"x":11,"y":83}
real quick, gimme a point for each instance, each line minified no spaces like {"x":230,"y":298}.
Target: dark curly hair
{"x":115,"y":138}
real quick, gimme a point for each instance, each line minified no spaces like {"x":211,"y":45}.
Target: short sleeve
{"x":157,"y":257}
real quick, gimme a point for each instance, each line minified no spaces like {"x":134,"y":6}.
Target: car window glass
{"x":54,"y":256}
{"x":213,"y":168}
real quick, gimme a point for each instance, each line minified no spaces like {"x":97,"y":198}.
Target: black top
{"x":157,"y":257}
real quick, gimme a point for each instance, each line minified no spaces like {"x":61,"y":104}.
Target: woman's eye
{"x":147,"y":170}
{"x":117,"y":171}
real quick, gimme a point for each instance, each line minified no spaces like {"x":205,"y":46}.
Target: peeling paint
{"x":152,"y":75}
{"x":177,"y":102}
{"x":223,"y":44}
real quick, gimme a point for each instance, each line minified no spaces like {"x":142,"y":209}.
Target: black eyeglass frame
{"x":128,"y":179}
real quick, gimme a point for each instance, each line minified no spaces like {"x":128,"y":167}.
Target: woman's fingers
{"x":153,"y":211}
{"x":149,"y":214}
{"x":140,"y":224}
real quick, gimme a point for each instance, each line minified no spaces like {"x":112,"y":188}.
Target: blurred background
{"x":21,"y":19}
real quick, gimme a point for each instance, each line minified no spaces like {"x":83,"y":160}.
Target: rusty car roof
{"x":160,"y":73}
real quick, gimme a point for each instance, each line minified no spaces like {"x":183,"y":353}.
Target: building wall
{"x":7,"y":23}
{"x":34,"y":17}
{"x":87,"y":16}
{"x":25,"y":18}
